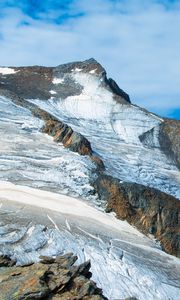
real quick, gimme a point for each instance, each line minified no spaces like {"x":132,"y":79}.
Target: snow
{"x":123,"y":261}
{"x":76,"y":70}
{"x":129,"y":122}
{"x":56,"y":183}
{"x":53,"y":92}
{"x":58,"y":80}
{"x":93,"y":96}
{"x":93,"y":71}
{"x":60,"y":203}
{"x":7,"y":71}
{"x":95,"y":114}
{"x":32,"y":158}
{"x":30,"y":230}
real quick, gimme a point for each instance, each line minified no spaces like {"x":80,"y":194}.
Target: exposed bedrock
{"x":51,"y":278}
{"x":169,"y":139}
{"x":165,"y":136}
{"x":36,"y":82}
{"x":70,"y":139}
{"x":151,"y":211}
{"x":117,"y":90}
{"x":29,"y":82}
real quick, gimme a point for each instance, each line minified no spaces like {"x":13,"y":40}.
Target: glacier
{"x":124,"y":261}
{"x":48,"y":205}
{"x":113,"y":130}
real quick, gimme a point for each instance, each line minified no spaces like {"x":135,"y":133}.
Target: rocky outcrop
{"x":117,"y":90}
{"x":151,"y":211}
{"x":51,"y":278}
{"x":5,"y":261}
{"x":29,"y":82}
{"x":169,"y":139}
{"x":63,"y":133}
{"x":72,"y":140}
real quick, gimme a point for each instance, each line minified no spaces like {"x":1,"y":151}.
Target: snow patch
{"x":76,"y":70}
{"x":53,"y":92}
{"x":7,"y":71}
{"x":93,"y":71}
{"x":58,"y":80}
{"x":30,"y":230}
{"x":93,"y":103}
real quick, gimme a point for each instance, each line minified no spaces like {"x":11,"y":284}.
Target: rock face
{"x":51,"y":278}
{"x":28,"y":82}
{"x":166,"y":137}
{"x":169,"y":137}
{"x":116,"y":89}
{"x":70,"y":139}
{"x":150,"y":210}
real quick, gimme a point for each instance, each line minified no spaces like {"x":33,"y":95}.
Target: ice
{"x":7,"y":71}
{"x":32,"y":158}
{"x":30,"y":230}
{"x":56,"y":184}
{"x":61,"y":203}
{"x":123,"y":261}
{"x":113,"y":130}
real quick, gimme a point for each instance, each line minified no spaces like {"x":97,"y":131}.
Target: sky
{"x":137,"y":41}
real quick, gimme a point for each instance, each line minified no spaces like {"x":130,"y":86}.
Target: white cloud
{"x":136,"y":41}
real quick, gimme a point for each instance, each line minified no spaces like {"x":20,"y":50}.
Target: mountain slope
{"x":100,"y":148}
{"x":79,"y":94}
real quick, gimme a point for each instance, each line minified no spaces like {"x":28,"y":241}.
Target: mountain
{"x":80,"y":168}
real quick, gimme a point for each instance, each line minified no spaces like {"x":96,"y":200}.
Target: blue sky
{"x":138,"y":42}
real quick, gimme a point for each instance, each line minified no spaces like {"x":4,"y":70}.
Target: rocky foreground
{"x":50,"y":279}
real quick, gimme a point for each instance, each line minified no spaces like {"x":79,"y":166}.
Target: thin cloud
{"x":136,"y":41}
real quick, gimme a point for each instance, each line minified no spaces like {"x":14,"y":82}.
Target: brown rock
{"x":29,"y":82}
{"x":169,"y":138}
{"x":49,"y":279}
{"x":151,"y":211}
{"x":70,"y":139}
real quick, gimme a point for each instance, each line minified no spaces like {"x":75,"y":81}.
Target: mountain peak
{"x":37,"y":81}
